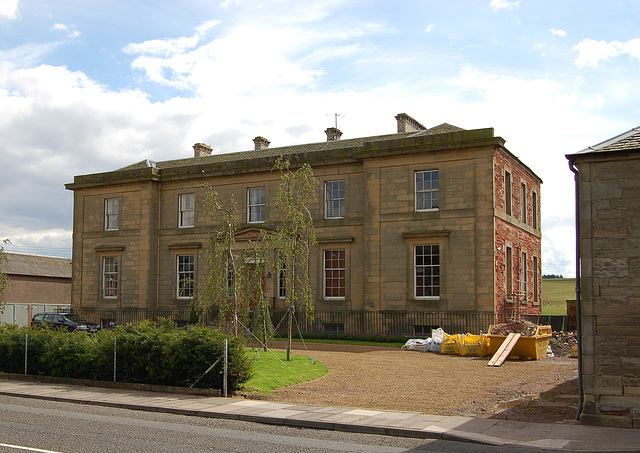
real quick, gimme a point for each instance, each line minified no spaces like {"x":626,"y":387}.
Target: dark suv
{"x":67,"y":321}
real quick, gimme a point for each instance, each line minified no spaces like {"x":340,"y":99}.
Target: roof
{"x":442,"y":137}
{"x":626,"y":142}
{"x":36,"y":265}
{"x":287,"y":150}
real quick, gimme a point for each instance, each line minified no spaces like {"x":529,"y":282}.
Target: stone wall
{"x":610,"y":288}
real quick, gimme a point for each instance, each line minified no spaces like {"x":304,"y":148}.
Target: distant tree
{"x":4,"y":278}
{"x":293,"y":236}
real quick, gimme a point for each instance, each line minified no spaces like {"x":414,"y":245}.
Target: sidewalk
{"x":552,"y":436}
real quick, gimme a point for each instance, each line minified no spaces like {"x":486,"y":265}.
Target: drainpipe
{"x":573,"y":168}
{"x":159,"y":186}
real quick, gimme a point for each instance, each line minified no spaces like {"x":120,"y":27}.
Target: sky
{"x":88,"y":87}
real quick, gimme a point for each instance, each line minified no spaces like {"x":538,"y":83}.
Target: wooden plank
{"x":504,"y":350}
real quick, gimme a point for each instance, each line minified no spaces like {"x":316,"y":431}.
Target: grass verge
{"x":272,"y":371}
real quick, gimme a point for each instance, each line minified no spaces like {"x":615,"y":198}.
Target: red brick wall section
{"x":511,"y":231}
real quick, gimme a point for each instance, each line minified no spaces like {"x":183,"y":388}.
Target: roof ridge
{"x":601,"y":147}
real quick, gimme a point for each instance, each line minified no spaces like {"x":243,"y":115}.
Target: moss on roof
{"x":288,"y":150}
{"x":443,"y":136}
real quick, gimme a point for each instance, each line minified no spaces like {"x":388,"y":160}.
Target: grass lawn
{"x":272,"y":371}
{"x":555,"y":292}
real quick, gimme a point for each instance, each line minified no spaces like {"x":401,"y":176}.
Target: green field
{"x":555,"y":292}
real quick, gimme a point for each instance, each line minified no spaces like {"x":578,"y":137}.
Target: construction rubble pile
{"x":560,"y":344}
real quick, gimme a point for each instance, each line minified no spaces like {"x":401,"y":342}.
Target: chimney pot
{"x":201,"y":150}
{"x":261,"y":143}
{"x":408,"y":124}
{"x":333,"y":134}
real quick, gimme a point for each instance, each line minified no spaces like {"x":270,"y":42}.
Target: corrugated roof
{"x":36,"y":265}
{"x":627,"y":141}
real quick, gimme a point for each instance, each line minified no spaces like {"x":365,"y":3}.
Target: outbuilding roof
{"x":625,"y":142}
{"x":36,"y":265}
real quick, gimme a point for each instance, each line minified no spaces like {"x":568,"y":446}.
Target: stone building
{"x":36,"y":284}
{"x":608,"y":217}
{"x":438,"y":220}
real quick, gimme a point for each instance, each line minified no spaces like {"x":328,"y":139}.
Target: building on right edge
{"x":608,"y":279}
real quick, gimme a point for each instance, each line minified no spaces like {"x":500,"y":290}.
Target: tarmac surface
{"x":559,"y":436}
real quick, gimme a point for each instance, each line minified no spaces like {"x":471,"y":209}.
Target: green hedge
{"x":145,"y":354}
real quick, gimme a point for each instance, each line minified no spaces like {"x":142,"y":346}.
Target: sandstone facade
{"x":417,"y":218}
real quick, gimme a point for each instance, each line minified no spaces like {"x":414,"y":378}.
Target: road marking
{"x":18,"y":447}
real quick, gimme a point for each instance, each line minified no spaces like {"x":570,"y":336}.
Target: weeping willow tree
{"x":252,"y":294}
{"x":235,"y":281}
{"x":293,"y":236}
{"x":221,"y":261}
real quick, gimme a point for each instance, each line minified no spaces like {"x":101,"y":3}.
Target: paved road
{"x":62,"y":427}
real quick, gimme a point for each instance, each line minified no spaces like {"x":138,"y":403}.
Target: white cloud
{"x":504,"y":4}
{"x":9,"y":9}
{"x":429,"y":28}
{"x":591,"y":53}
{"x":70,"y":31}
{"x":226,"y":3}
{"x":558,"y":32}
{"x":48,"y":242}
{"x":250,"y":58}
{"x":27,"y":55}
{"x":59,"y":124}
{"x":558,"y":246}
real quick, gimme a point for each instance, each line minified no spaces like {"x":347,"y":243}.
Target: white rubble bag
{"x":417,"y":344}
{"x":437,"y":335}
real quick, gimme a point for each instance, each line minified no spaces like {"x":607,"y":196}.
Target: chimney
{"x":261,"y":143}
{"x":201,"y":150}
{"x":333,"y":134}
{"x":408,"y":124}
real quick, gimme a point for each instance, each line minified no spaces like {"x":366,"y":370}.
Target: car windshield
{"x":76,"y":318}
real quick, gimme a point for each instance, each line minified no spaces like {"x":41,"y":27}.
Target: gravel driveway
{"x":392,"y":379}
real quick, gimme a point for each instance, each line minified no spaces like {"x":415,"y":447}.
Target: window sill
{"x":423,"y":298}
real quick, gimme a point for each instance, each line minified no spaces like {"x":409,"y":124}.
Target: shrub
{"x":145,"y":354}
{"x":12,"y":349}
